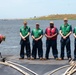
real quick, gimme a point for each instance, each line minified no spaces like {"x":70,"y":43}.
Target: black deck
{"x":41,"y":67}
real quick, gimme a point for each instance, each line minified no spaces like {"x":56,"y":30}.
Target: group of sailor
{"x":51,"y":34}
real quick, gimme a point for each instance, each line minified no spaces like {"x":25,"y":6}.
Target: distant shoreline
{"x":56,"y":17}
{"x":49,"y":17}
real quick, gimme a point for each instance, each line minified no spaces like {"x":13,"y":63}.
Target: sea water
{"x":11,"y":29}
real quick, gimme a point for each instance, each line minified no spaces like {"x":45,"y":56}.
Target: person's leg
{"x":0,"y":55}
{"x":28,"y":49}
{"x":68,"y":48}
{"x":22,"y":51}
{"x":62,"y":48}
{"x":40,"y":49}
{"x":54,"y":49}
{"x":47,"y":49}
{"x":75,"y":49}
{"x":34,"y":50}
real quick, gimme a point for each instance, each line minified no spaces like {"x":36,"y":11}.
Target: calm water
{"x":11,"y":30}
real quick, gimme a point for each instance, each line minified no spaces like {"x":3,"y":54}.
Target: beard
{"x":51,"y":26}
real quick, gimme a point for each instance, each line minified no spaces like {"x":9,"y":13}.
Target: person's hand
{"x":49,"y":37}
{"x":75,"y":36}
{"x":64,"y":37}
{"x":36,"y":39}
{"x":23,"y":38}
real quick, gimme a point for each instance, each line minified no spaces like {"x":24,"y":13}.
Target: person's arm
{"x":64,"y":37}
{"x":32,"y":35}
{"x":69,"y":32}
{"x":60,"y":32}
{"x":55,"y":33}
{"x":74,"y":35}
{"x":28,"y":33}
{"x":22,"y":36}
{"x":50,"y":36}
{"x":40,"y":36}
{"x":46,"y":34}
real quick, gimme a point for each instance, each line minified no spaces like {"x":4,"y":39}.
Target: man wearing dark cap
{"x":65,"y":32}
{"x":51,"y":40}
{"x":37,"y":35}
{"x":24,"y":33}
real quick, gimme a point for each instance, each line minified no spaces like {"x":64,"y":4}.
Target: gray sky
{"x":30,"y":8}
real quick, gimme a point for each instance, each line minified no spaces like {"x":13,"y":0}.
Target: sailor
{"x":25,"y":42}
{"x":65,"y":32}
{"x":37,"y":35}
{"x":51,"y":34}
{"x":74,"y":33}
{"x":2,"y":38}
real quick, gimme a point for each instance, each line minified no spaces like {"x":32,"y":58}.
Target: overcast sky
{"x":31,"y":8}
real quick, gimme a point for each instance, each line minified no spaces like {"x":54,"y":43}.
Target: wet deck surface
{"x":41,"y":67}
